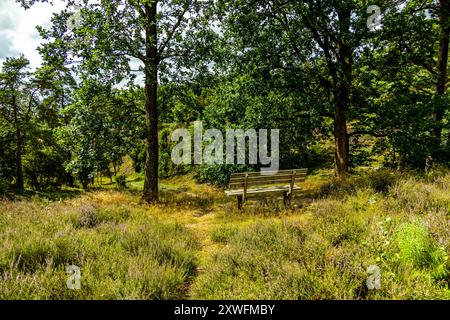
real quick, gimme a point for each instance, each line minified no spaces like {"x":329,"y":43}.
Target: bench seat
{"x":280,"y":189}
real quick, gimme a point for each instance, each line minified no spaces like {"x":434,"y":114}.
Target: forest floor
{"x":195,"y":244}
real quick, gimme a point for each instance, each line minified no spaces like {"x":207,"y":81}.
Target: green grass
{"x":195,"y":244}
{"x":123,"y":253}
{"x":403,"y":228}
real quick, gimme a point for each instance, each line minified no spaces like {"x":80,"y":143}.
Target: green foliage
{"x":167,"y":167}
{"x":99,"y":132}
{"x":382,"y":180}
{"x":377,"y":180}
{"x":244,"y":100}
{"x":44,"y":166}
{"x":182,"y":102}
{"x":275,"y":66}
{"x":121,"y":181}
{"x":417,"y":197}
{"x":418,"y":248}
{"x":7,"y":153}
{"x":29,"y":112}
{"x":138,"y":157}
{"x":3,"y":185}
{"x":219,"y":174}
{"x":17,"y":107}
{"x":414,"y":244}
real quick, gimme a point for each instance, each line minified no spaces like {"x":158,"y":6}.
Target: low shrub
{"x":328,"y":255}
{"x":415,"y":196}
{"x":3,"y":185}
{"x":417,"y":247}
{"x":382,"y":180}
{"x":223,"y":234}
{"x":88,"y":217}
{"x":377,"y":180}
{"x":135,"y":257}
{"x":278,"y":261}
{"x":219,"y":175}
{"x":121,"y":181}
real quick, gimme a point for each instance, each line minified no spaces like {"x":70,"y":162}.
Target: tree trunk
{"x":108,"y":172}
{"x":342,"y":94}
{"x":20,"y":183}
{"x":340,"y":67}
{"x":70,"y":181}
{"x":114,"y":168}
{"x":341,"y":142}
{"x":444,"y":33}
{"x":341,"y":138}
{"x":150,"y":193}
{"x":84,"y":183}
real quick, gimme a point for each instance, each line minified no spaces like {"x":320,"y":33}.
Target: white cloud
{"x":18,"y":32}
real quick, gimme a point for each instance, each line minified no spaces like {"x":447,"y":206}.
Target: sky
{"x":18,"y":32}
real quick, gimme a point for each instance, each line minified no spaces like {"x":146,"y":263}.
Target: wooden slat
{"x":241,"y":184}
{"x":268,"y":181}
{"x":265,"y":178}
{"x":256,"y":191}
{"x":266,"y":173}
{"x":262,"y":178}
{"x":258,"y":183}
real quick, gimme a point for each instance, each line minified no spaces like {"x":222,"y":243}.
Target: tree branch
{"x":170,"y":35}
{"x":135,"y":5}
{"x":5,"y":116}
{"x":368,"y":132}
{"x":327,"y":114}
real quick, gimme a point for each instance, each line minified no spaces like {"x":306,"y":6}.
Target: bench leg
{"x":239,"y":202}
{"x":286,"y":199}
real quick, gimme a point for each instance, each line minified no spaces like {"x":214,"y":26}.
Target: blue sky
{"x":18,"y":32}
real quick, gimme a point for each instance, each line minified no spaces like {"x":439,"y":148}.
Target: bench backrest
{"x":246,"y":180}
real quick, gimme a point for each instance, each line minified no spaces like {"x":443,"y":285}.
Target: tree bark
{"x":442,"y":62}
{"x":342,"y":94}
{"x":341,"y":142}
{"x":70,"y":181}
{"x":150,"y":193}
{"x":20,"y":182}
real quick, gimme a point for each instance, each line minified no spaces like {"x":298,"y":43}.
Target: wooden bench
{"x":246,"y":184}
